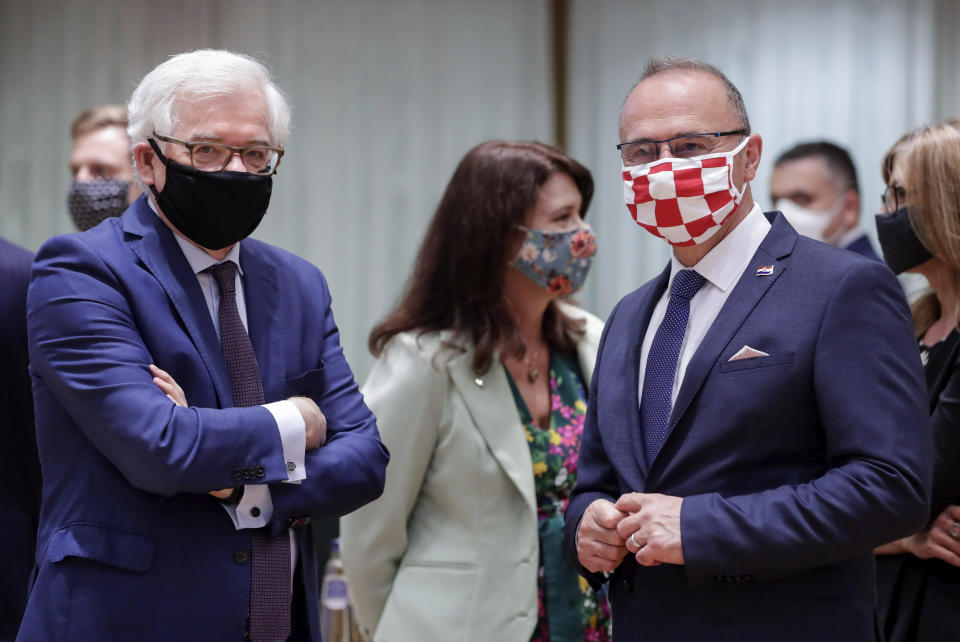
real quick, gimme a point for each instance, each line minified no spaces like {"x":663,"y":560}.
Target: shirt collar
{"x":197,"y":258}
{"x":725,"y":262}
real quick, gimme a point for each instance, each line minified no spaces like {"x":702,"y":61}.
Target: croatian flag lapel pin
{"x":765,"y":270}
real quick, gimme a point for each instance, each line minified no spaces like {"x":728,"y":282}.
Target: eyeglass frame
{"x":657,"y":143}
{"x":897,"y":190}
{"x":233,"y":149}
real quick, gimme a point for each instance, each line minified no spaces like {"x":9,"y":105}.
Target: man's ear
{"x":752,"y":151}
{"x":851,"y":209}
{"x":148,"y":166}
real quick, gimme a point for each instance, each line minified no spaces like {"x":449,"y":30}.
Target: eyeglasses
{"x":213,"y":157}
{"x":892,"y":197}
{"x":641,"y":152}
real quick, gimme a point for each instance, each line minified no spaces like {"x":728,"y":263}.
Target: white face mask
{"x":808,"y":222}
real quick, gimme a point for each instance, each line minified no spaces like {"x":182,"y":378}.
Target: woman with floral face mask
{"x":919,"y":231}
{"x":480,"y":392}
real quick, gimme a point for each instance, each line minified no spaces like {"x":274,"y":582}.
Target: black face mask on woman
{"x":902,"y":249}
{"x":212,"y":209}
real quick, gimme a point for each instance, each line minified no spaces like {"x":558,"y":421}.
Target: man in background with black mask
{"x":101,"y":167}
{"x":194,"y":407}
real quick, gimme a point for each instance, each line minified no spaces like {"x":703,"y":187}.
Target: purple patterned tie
{"x":270,"y":564}
{"x":656,"y":397}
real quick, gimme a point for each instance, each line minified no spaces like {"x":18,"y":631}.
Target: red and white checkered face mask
{"x":683,"y":200}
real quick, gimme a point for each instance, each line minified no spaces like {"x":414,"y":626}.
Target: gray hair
{"x":198,"y":75}
{"x":679,"y":63}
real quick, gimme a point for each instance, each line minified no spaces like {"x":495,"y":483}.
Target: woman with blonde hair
{"x":480,"y":395}
{"x":919,"y":230}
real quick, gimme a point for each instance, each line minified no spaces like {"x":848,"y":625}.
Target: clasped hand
{"x":644,"y":524}
{"x":314,"y":420}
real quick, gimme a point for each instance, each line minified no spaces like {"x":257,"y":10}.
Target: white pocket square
{"x":746,"y":352}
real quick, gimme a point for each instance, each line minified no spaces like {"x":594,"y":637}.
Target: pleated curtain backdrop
{"x":388,"y":95}
{"x":857,"y":72}
{"x":386,"y":98}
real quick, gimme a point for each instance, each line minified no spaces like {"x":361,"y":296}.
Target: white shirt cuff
{"x":293,"y":436}
{"x":254,"y":509}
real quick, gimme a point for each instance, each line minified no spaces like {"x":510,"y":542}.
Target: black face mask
{"x":212,"y":209}
{"x":902,"y":249}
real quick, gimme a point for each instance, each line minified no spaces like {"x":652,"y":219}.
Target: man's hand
{"x":651,"y":529}
{"x":942,"y":541}
{"x":599,"y":547}
{"x":316,"y":423}
{"x":174,"y":392}
{"x":171,"y":388}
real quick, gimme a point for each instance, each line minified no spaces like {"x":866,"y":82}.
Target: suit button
{"x":254,"y":512}
{"x":237,"y":475}
{"x":241,"y":556}
{"x":260,"y":471}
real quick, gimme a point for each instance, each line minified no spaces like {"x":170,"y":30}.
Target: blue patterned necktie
{"x":270,"y":556}
{"x":656,"y":397}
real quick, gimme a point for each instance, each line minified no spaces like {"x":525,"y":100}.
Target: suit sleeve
{"x":86,"y":348}
{"x":596,"y":478}
{"x":348,"y":470}
{"x":946,"y":445}
{"x":408,"y":394}
{"x":870,"y":392}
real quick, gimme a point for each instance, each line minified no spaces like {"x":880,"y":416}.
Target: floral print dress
{"x":553,"y":450}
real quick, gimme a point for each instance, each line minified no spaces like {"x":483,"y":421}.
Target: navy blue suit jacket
{"x":792,"y":466}
{"x":20,"y":490}
{"x":130,"y":544}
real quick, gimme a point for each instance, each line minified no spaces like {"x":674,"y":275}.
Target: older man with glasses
{"x":757,"y":418}
{"x":194,"y":408}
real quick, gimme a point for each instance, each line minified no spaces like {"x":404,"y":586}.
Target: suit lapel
{"x":158,"y":251}
{"x":746,"y":294}
{"x":490,"y":402}
{"x":640,"y":316}
{"x":264,"y":319}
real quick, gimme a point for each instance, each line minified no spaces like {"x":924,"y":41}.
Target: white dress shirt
{"x":256,"y":497}
{"x":722,"y":268}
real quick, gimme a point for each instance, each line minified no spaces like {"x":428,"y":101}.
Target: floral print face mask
{"x":557,"y":261}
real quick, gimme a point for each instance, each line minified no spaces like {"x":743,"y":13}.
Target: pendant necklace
{"x":532,"y":372}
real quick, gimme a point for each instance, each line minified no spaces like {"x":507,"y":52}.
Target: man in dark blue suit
{"x":194,"y":407}
{"x":757,"y":419}
{"x":814,"y":185}
{"x":20,"y":492}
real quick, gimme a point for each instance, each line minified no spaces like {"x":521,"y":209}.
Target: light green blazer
{"x":450,"y":550}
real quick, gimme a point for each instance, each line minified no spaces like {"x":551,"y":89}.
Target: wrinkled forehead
{"x":676,"y":102}
{"x":221,"y":115}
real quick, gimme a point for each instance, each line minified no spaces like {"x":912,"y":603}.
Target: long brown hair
{"x":931,"y":176}
{"x":458,"y":277}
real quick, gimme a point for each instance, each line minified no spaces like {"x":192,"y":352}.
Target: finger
{"x":166,"y":386}
{"x":952,"y":512}
{"x":635,"y":542}
{"x":649,"y":555}
{"x":159,"y":372}
{"x":595,"y":548}
{"x":630,"y":503}
{"x":944,"y":539}
{"x":632,"y":523}
{"x":946,"y":555}
{"x":606,"y":515}
{"x":601,"y":512}
{"x":604,"y":535}
{"x":598,"y":564}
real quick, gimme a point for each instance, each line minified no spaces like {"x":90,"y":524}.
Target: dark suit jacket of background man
{"x":131,"y":547}
{"x":20,"y":490}
{"x":791,"y":466}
